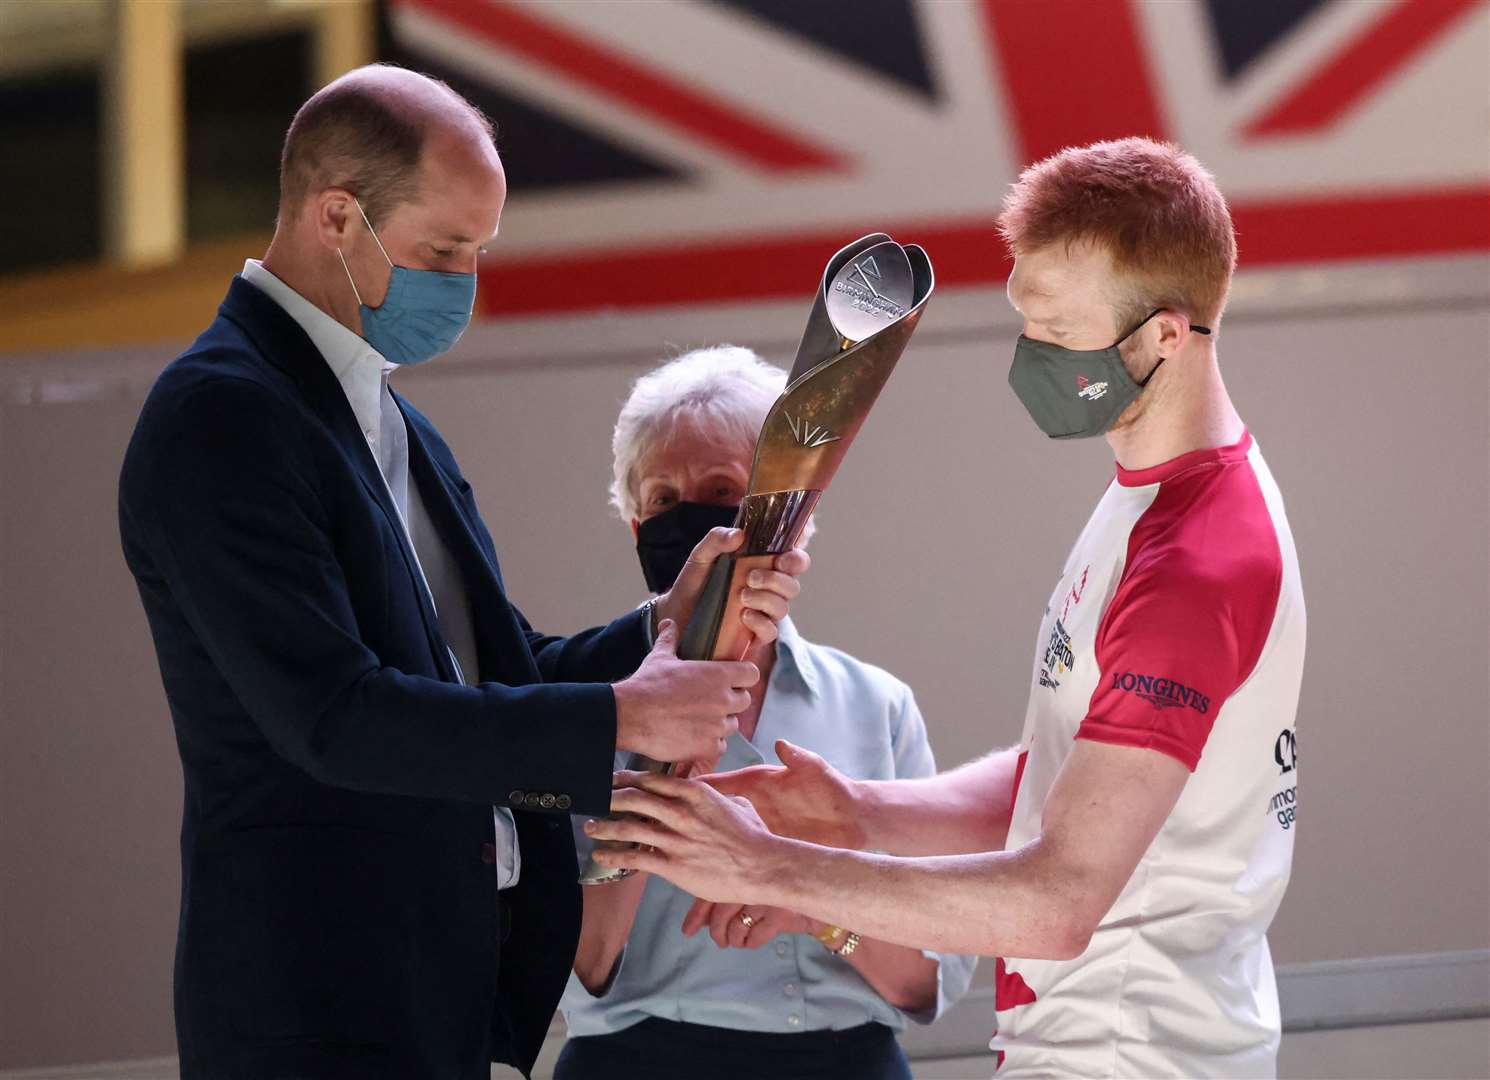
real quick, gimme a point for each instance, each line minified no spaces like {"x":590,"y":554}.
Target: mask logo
{"x":1089,"y":390}
{"x":809,"y":435}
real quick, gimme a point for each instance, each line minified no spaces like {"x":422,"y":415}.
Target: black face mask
{"x":664,"y":542}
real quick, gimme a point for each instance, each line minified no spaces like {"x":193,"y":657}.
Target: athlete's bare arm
{"x":961,"y":811}
{"x":1043,"y":900}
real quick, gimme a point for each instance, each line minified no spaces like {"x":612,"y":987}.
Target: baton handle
{"x":715,"y":631}
{"x":697,"y":640}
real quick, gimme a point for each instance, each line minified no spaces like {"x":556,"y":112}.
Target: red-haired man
{"x":1125,"y":859}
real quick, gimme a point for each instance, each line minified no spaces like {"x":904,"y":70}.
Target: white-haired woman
{"x":765,"y":993}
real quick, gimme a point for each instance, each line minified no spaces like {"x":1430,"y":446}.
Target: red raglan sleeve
{"x":1187,"y":624}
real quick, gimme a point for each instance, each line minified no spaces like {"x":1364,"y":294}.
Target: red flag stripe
{"x":1073,"y":72}
{"x":681,"y":106}
{"x":965,"y":252}
{"x":1362,"y":65}
{"x":1444,"y":222}
{"x":742,"y":268}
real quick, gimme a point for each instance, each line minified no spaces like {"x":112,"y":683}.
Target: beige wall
{"x":937,"y":549}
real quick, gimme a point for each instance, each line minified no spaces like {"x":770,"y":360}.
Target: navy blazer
{"x":339,"y":913}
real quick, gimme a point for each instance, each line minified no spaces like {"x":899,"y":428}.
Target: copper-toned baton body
{"x":871,"y":297}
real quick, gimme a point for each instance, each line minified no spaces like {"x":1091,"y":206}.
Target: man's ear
{"x":1170,"y":330}
{"x":335,"y":213}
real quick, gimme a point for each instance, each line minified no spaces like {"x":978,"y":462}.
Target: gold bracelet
{"x":830,"y":936}
{"x":837,"y":940}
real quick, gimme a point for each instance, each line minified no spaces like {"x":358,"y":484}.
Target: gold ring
{"x":747,"y":920}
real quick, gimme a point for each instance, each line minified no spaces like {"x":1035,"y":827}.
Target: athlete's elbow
{"x":1076,"y":902}
{"x":1049,"y":938}
{"x":1071,"y":941}
{"x":1056,"y":944}
{"x":1064,"y":937}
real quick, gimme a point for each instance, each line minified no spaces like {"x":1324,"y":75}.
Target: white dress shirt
{"x":363,"y":374}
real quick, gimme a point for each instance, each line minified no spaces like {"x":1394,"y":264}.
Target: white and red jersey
{"x":1177,"y":625}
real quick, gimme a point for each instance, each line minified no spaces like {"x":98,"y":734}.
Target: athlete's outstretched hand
{"x":804,"y":798}
{"x":711,"y":845}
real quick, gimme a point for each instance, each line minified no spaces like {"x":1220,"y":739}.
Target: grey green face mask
{"x":1077,"y":393}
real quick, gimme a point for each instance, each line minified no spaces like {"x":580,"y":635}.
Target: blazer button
{"x":563,"y":802}
{"x":489,"y":854}
{"x":547,"y":802}
{"x":515,"y":797}
{"x":530,"y":800}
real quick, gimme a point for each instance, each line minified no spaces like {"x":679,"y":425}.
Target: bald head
{"x":368,"y":131}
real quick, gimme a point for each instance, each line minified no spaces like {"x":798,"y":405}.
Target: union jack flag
{"x":682,"y":151}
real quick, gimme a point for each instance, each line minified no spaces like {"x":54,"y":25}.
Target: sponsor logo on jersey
{"x":1285,"y":804}
{"x":1058,"y":658}
{"x":1286,"y":751}
{"x":1161,"y":692}
{"x":1073,"y":597}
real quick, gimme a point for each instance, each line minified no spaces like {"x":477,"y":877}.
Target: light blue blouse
{"x":865,"y":722}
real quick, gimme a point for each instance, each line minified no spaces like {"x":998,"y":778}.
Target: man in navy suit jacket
{"x":378,"y":875}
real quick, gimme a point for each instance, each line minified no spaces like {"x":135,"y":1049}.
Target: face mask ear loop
{"x":379,"y":242}
{"x":1137,"y":328}
{"x":1152,"y":370}
{"x":1142,"y":385}
{"x":348,"y":272}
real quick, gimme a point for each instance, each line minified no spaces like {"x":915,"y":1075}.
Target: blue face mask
{"x":423,"y":314}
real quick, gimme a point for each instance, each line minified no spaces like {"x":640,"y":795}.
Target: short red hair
{"x":1151,"y":206}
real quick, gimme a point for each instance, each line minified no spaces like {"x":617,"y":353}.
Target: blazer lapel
{"x":285,"y":345}
{"x":502,"y":649}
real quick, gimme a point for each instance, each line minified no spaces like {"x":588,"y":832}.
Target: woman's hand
{"x":745,"y":926}
{"x":766,"y":598}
